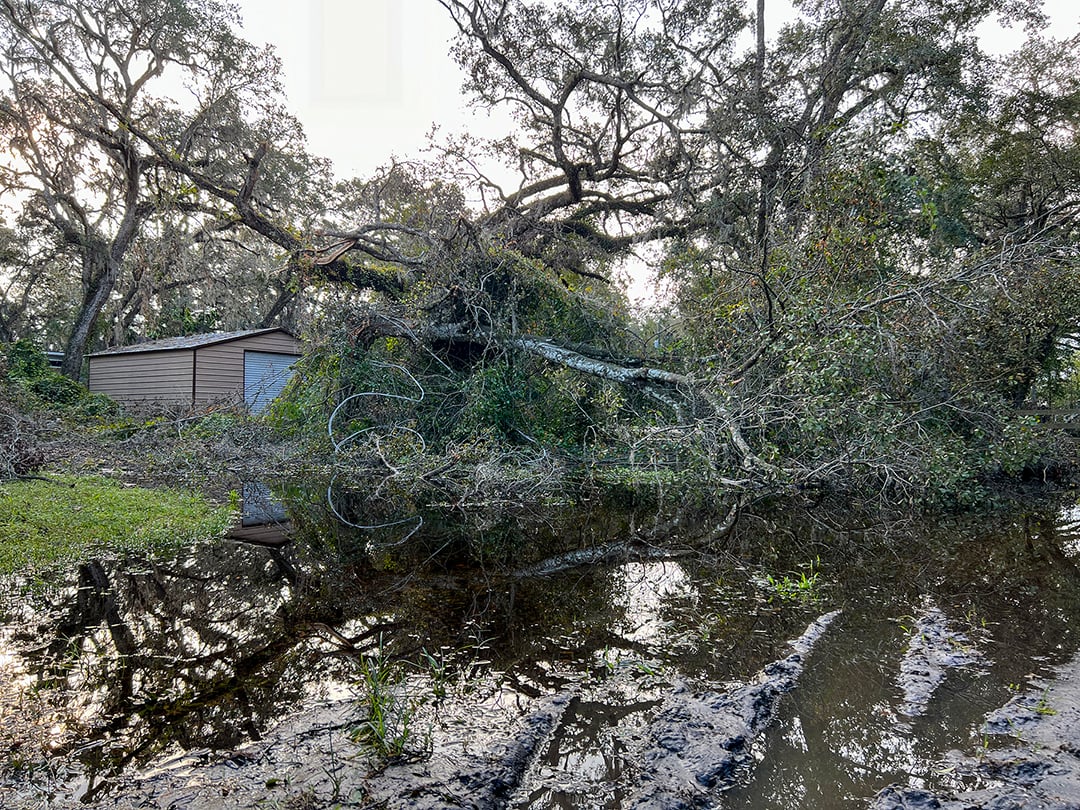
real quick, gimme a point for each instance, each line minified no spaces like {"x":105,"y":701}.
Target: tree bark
{"x":94,"y":300}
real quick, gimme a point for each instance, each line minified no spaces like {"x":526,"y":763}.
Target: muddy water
{"x":554,"y":660}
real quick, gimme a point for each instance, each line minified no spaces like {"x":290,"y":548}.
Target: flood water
{"x":358,"y":668}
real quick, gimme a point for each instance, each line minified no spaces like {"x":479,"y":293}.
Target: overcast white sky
{"x":368,"y":78}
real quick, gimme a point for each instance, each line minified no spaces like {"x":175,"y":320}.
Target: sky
{"x":369,"y":78}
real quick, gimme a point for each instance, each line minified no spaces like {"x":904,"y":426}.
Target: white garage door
{"x":265,"y":374}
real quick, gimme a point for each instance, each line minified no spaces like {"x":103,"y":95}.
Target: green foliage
{"x":494,"y":396}
{"x":1042,"y":706}
{"x":304,"y":405}
{"x":68,"y":518}
{"x":872,"y":410}
{"x":179,"y":319}
{"x":57,"y":390}
{"x":25,"y":361}
{"x":526,"y":401}
{"x":387,"y":711}
{"x":470,"y":389}
{"x":802,"y":586}
{"x":212,"y":425}
{"x":28,"y":371}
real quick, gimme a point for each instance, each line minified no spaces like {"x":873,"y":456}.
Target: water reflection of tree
{"x":210,"y":649}
{"x":207,"y":650}
{"x":201,"y":652}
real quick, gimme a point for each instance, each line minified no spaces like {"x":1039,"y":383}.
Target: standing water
{"x":566,"y":660}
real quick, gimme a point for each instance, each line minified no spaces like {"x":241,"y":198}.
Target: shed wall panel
{"x":143,"y":378}
{"x":219,"y":373}
{"x":272,"y":342}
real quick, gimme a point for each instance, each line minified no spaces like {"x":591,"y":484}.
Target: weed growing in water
{"x":435,"y":665}
{"x":387,"y":712}
{"x":800,"y":587}
{"x":391,"y":723}
{"x":613,"y":660}
{"x":1043,"y":706}
{"x":333,"y":771}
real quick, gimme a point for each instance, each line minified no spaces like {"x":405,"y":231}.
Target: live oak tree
{"x":126,"y":120}
{"x":866,"y":224}
{"x":857,"y":219}
{"x":784,"y":183}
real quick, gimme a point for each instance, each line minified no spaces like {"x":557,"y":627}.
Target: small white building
{"x":252,"y":366}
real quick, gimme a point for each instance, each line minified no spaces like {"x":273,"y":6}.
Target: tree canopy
{"x":865,"y":228}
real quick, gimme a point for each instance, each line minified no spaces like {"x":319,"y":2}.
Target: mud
{"x":295,"y":765}
{"x":697,"y":744}
{"x":482,"y":781}
{"x":934,"y":647}
{"x":1037,"y":768}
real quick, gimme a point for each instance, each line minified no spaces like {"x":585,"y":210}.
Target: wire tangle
{"x":378,"y":434}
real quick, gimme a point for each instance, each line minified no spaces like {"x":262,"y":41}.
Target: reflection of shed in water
{"x":263,"y":519}
{"x":199,"y":370}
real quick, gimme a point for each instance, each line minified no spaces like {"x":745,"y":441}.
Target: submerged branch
{"x":607,"y":554}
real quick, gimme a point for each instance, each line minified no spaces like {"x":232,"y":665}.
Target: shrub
{"x":28,"y":370}
{"x":26,"y":361}
{"x":56,"y":389}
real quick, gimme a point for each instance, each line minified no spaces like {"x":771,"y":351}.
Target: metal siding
{"x":265,"y":374}
{"x":273,"y":342}
{"x":221,"y":366}
{"x":221,"y":373}
{"x":134,"y":379}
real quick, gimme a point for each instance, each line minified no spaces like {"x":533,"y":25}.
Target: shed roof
{"x":190,"y":341}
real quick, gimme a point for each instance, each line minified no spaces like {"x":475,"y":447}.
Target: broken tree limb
{"x":599,"y":368}
{"x":649,"y":379}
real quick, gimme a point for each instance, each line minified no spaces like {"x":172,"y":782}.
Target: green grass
{"x":43,"y":523}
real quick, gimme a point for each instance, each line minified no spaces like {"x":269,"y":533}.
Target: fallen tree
{"x":852,"y":304}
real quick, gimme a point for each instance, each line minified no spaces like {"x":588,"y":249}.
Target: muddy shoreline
{"x":847,"y":671}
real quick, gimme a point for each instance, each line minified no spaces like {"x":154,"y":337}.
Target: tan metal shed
{"x":250,"y":366}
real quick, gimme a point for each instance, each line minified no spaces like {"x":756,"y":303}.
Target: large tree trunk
{"x":102,"y":261}
{"x":104,"y":274}
{"x":284,"y":298}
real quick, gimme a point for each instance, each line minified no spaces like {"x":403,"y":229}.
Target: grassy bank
{"x":71,"y":517}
